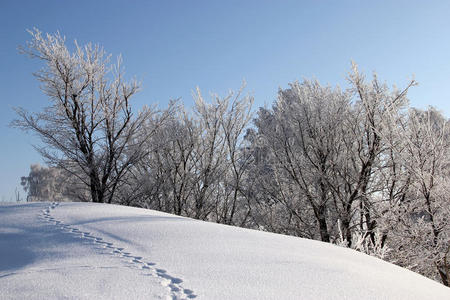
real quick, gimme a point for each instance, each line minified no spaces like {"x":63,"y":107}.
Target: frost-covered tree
{"x":195,"y":166}
{"x":51,"y":184}
{"x":419,"y":220}
{"x":301,"y":133}
{"x":89,"y":128}
{"x":322,"y":150}
{"x":167,"y":169}
{"x":217,"y":161}
{"x":41,"y":183}
{"x":232,"y":208}
{"x":356,"y":184}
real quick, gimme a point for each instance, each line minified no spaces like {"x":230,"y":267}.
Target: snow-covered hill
{"x":98,"y":251}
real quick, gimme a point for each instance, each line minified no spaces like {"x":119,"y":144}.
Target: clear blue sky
{"x":174,"y":46}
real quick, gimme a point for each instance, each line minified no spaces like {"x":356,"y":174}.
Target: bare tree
{"x":89,"y":129}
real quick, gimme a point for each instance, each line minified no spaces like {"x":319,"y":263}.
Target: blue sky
{"x":174,"y":46}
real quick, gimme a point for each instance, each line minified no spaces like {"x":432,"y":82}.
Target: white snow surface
{"x":100,"y":251}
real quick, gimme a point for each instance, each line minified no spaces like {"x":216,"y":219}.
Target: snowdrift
{"x":99,"y":251}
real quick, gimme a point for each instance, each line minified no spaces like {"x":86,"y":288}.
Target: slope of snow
{"x":98,"y":251}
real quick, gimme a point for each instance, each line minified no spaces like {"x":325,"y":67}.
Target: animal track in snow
{"x":173,"y":284}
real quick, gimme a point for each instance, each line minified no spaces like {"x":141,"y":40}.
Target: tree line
{"x":356,"y":167}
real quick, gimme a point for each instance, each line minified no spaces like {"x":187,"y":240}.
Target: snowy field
{"x":98,"y":251}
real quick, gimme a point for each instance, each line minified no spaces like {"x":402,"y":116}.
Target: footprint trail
{"x":173,"y":284}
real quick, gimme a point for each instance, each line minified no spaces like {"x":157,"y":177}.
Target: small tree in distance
{"x":89,"y":128}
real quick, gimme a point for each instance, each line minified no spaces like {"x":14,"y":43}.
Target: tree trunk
{"x":323,"y":227}
{"x":97,"y":193}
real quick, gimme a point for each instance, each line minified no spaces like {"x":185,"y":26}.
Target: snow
{"x":99,"y":251}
